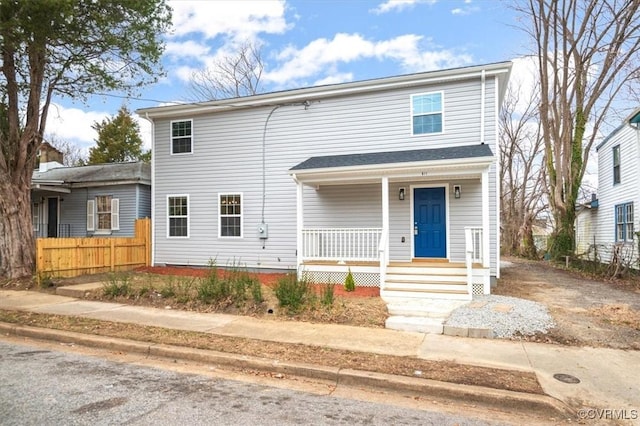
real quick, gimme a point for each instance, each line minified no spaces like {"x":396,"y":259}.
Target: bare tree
{"x":72,"y":155}
{"x":522,"y":165}
{"x":231,"y":76}
{"x":587,"y":52}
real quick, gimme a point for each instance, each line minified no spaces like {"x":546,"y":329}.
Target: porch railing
{"x":473,"y":249}
{"x":43,"y":230}
{"x":341,"y":244}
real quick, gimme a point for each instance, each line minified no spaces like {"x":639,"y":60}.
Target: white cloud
{"x":323,"y":54}
{"x":187,"y":48}
{"x":398,"y":5}
{"x":241,"y":20}
{"x":73,"y":125}
{"x":334,"y":79}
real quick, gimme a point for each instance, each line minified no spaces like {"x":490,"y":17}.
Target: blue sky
{"x":311,"y":42}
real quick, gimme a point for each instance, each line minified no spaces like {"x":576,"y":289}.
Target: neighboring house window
{"x":182,"y":137}
{"x":178,"y":216}
{"x":35,"y":213}
{"x":230,"y":215}
{"x":426,"y":113}
{"x":616,"y":164}
{"x":624,"y":222}
{"x":103,"y":214}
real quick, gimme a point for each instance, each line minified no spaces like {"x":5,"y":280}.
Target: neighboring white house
{"x":618,"y":192}
{"x":392,"y":178}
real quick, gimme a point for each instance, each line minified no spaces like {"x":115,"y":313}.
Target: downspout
{"x":264,"y":169}
{"x":483,"y":90}
{"x":153,"y":189}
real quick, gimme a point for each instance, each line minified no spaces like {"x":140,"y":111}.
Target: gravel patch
{"x":506,"y":316}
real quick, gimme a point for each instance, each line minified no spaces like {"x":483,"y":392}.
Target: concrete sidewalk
{"x":608,"y":378}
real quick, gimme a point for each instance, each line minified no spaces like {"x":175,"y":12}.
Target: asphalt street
{"x":39,"y":385}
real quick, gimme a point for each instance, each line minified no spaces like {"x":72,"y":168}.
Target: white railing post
{"x":469,"y":249}
{"x":382,"y":248}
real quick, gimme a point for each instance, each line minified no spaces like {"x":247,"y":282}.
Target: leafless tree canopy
{"x":231,"y":76}
{"x":587,"y":52}
{"x":524,"y":190}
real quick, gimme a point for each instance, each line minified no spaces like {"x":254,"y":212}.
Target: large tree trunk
{"x":17,"y":252}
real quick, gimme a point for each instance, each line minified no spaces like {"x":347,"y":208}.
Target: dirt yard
{"x":587,"y":312}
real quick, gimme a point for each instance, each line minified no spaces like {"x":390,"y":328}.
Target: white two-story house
{"x":618,"y":194}
{"x":391,"y":178}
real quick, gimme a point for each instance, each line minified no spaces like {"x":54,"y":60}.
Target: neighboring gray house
{"x":100,"y":200}
{"x":618,"y":193}
{"x":392,"y":178}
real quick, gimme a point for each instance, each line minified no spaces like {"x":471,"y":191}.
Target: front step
{"x":421,"y":315}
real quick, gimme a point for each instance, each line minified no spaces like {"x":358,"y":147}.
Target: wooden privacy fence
{"x":71,"y":257}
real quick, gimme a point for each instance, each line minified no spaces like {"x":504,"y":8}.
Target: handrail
{"x":382,"y":249}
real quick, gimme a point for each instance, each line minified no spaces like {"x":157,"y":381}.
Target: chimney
{"x":50,"y":158}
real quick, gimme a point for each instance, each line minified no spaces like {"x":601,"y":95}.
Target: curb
{"x":490,"y":397}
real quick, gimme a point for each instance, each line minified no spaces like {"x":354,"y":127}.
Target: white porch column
{"x":385,"y":230}
{"x":486,"y":255}
{"x":299,"y":226}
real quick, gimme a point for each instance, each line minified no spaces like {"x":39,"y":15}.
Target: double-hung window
{"x":616,"y":164}
{"x":182,"y":137}
{"x":230,"y":215}
{"x":103,"y":214}
{"x":624,"y":222}
{"x":178,"y":216}
{"x":427,"y":113}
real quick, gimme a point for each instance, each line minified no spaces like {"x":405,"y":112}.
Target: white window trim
{"x":441,"y":92}
{"x":625,"y":222}
{"x":220,"y":195}
{"x":177,"y":237}
{"x":171,"y":137}
{"x":35,"y":217}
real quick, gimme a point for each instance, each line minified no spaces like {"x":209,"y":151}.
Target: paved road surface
{"x":43,"y":386}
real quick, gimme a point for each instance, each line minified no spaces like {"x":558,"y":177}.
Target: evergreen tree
{"x":118,"y":141}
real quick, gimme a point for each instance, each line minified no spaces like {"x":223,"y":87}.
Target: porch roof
{"x":422,"y":163}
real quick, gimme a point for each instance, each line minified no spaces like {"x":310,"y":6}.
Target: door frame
{"x":412,"y":213}
{"x":57,"y":215}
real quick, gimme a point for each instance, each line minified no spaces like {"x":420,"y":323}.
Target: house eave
{"x":110,"y":183}
{"x":317,"y":93}
{"x":420,"y":170}
{"x":50,"y":188}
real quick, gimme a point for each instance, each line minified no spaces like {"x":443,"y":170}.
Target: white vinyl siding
{"x":178,"y":216}
{"x":230,"y":158}
{"x":606,"y":232}
{"x":182,"y":137}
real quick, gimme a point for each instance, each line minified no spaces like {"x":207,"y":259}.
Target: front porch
{"x":328,"y":254}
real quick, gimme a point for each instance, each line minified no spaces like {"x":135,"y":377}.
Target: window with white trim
{"x":426,"y":113}
{"x":616,"y":164}
{"x":178,"y":216}
{"x":182,"y":137}
{"x":230,"y":215}
{"x":103,"y":214}
{"x":624,"y":222}
{"x":35,"y":213}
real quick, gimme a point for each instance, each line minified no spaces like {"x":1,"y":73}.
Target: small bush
{"x":349,"y":282}
{"x":118,"y":285}
{"x":256,"y":291}
{"x":292,"y":293}
{"x":327,"y":295}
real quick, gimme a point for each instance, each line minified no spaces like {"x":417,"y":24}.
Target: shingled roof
{"x":99,"y":173}
{"x":394,"y":157}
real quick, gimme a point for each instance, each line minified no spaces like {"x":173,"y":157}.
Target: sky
{"x":307,"y":43}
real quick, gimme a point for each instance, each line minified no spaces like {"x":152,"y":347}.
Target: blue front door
{"x":429,"y":222}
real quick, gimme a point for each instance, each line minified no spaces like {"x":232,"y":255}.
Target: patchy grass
{"x":406,"y":366}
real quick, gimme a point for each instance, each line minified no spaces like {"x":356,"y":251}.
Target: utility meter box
{"x":263,"y":231}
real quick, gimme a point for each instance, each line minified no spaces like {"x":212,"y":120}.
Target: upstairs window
{"x":182,"y":137}
{"x":624,"y":222}
{"x":230,"y":215}
{"x":426,"y":113}
{"x":178,"y":216}
{"x":616,"y":164}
